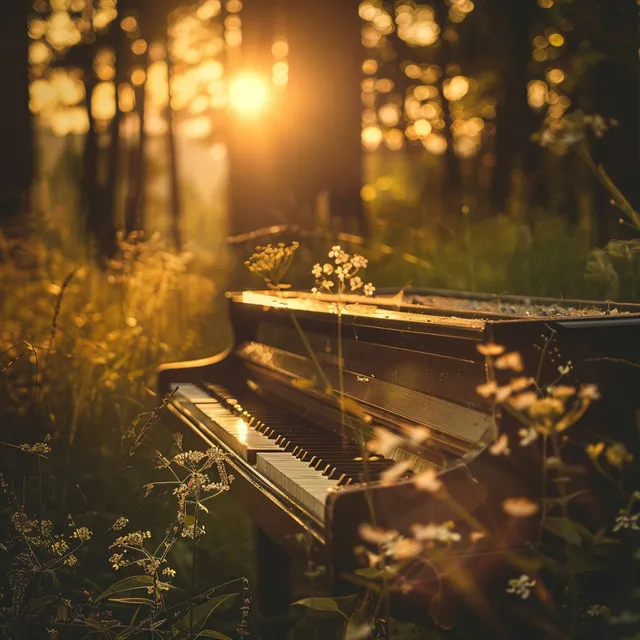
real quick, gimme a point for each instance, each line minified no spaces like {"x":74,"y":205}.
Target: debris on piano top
{"x":444,"y":307}
{"x":517,"y":306}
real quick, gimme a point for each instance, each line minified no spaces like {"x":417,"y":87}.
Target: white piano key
{"x":298,"y":479}
{"x":191,"y":392}
{"x":305,"y":484}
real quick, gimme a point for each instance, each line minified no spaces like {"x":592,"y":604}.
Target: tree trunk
{"x":134,"y":218}
{"x":515,"y":120}
{"x":16,"y":136}
{"x":324,"y":106}
{"x":174,"y":188}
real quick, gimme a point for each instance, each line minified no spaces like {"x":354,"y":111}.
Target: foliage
{"x":79,"y":349}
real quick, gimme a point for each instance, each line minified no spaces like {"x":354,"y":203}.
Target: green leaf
{"x":579,"y":564}
{"x":146,"y":601}
{"x":213,"y":634}
{"x":526,"y":564}
{"x":563,"y":501}
{"x":201,"y":614}
{"x":38,"y":603}
{"x":560,"y":527}
{"x":320,"y":604}
{"x":128,"y":584}
{"x":623,"y":248}
{"x":372,"y":573}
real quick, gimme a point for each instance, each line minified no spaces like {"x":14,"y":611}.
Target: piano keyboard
{"x":302,"y":459}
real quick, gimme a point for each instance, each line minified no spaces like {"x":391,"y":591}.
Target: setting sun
{"x":248,"y":93}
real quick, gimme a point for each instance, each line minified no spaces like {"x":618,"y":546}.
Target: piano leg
{"x":274,"y":587}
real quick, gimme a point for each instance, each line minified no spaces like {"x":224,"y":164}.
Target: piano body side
{"x":189,"y":370}
{"x":602,"y":351}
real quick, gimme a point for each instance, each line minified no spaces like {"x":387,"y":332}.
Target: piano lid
{"x":443,"y":307}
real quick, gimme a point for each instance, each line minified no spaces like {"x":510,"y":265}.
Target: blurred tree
{"x":515,"y":121}
{"x":308,"y":142}
{"x":16,"y":147}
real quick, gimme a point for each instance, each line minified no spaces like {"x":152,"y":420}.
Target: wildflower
{"x":117,"y":561}
{"x":546,"y":408}
{"x":355,"y":283}
{"x":527,"y":436}
{"x":358,"y":261}
{"x":617,"y":454}
{"x":327,"y":269}
{"x":393,"y":473}
{"x":335,"y":251}
{"x":563,"y":391}
{"x":369,"y":289}
{"x":316,"y":271}
{"x":404,"y":548}
{"x":520,"y":507}
{"x":189,"y":457}
{"x":500,"y":446}
{"x":70,"y":560}
{"x":512,"y":360}
{"x":595,"y":449}
{"x":428,"y":481}
{"x":490,"y":349}
{"x":39,"y":448}
{"x":189,"y":531}
{"x":521,"y":586}
{"x":487,"y":388}
{"x":341,"y":258}
{"x":83,"y":534}
{"x":519,"y":384}
{"x":384,"y":442}
{"x":133,"y":539}
{"x":502,"y":393}
{"x":120,"y":523}
{"x":60,"y":547}
{"x":435,"y":533}
{"x":417,"y":435}
{"x":326,"y":284}
{"x":272,"y":262}
{"x":168,"y":571}
{"x":624,"y":520}
{"x":376,"y":535}
{"x":564,"y":369}
{"x":523,"y":400}
{"x":589,"y":392}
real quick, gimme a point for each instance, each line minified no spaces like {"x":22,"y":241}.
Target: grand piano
{"x":407,"y":361}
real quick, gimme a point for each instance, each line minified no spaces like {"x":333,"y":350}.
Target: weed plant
{"x":85,"y":489}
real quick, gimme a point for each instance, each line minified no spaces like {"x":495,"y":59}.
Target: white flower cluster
{"x":521,"y":586}
{"x":559,"y":135}
{"x":391,"y":545}
{"x":342,"y":275}
{"x":626,"y":520}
